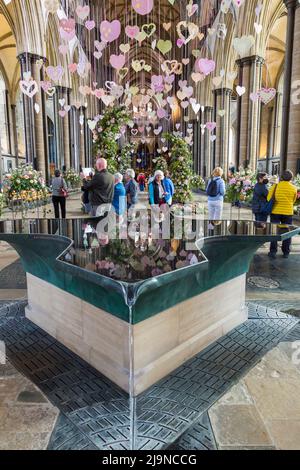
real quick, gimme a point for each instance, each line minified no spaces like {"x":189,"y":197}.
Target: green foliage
{"x":161,"y":164}
{"x":107,"y":134}
{"x":126,"y":158}
{"x":181,"y":168}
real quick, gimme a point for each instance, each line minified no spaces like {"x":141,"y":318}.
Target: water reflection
{"x":135,"y":253}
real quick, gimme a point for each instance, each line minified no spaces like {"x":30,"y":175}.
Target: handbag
{"x":267,"y":208}
{"x":63,"y":192}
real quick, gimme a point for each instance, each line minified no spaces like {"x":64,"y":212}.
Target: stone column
{"x":221,"y":150}
{"x":14,"y":132}
{"x":36,"y":130}
{"x":82,"y":158}
{"x":250,"y":77}
{"x":277,"y":124}
{"x":64,"y":123}
{"x":290,"y":140}
{"x":206,"y":144}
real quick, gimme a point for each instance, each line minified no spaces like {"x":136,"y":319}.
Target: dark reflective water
{"x":136,"y":251}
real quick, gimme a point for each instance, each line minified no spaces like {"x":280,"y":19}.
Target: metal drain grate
{"x":96,"y":413}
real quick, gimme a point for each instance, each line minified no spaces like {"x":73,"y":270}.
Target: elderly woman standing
{"x":131,"y":188}
{"x":119,"y":200}
{"x":216,"y":190}
{"x":158,"y":194}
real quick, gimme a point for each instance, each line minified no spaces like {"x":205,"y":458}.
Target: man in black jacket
{"x":101,"y":187}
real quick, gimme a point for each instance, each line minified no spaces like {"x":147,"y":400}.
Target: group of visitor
{"x":277,"y":202}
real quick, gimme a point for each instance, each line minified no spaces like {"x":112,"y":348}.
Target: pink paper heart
{"x":83,"y":11}
{"x":62,"y":113}
{"x":63,"y":49}
{"x":67,"y":29}
{"x":29,"y":87}
{"x":72,"y":68}
{"x":55,"y":73}
{"x":110,"y":31}
{"x":132,"y":31}
{"x":90,"y":24}
{"x":117,"y":61}
{"x":205,"y":66}
{"x":161,"y":113}
{"x":142,"y":7}
{"x":211,"y":126}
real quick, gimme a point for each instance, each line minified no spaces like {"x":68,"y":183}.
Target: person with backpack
{"x":259,"y":202}
{"x":216,"y":191}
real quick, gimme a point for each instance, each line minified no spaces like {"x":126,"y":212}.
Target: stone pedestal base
{"x":158,"y":345}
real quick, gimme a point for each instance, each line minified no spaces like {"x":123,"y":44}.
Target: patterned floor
{"x":95,"y":414}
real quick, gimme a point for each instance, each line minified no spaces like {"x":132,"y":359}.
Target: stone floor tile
{"x":23,"y":440}
{"x":292,"y":353}
{"x":275,"y":364}
{"x":238,"y":395}
{"x":275,"y":398}
{"x":238,"y":426}
{"x":27,"y":418}
{"x":285,"y":433}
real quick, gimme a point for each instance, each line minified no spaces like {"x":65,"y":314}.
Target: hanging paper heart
{"x":221,"y":112}
{"x":157,"y":131}
{"x":83,"y":11}
{"x":108,"y":99}
{"x":67,"y":29}
{"x":125,"y":48}
{"x":170,"y":67}
{"x":196,"y":107}
{"x":29,"y":87}
{"x":117,"y":61}
{"x":211,"y":126}
{"x":213,"y":138}
{"x":243,"y":45}
{"x":164,"y":46}
{"x":92,"y":124}
{"x":157,"y":84}
{"x":138,"y":65}
{"x":55,"y":73}
{"x":197,"y":77}
{"x":37,"y":108}
{"x":184,"y":104}
{"x":62,"y":102}
{"x":90,"y":25}
{"x":72,"y":68}
{"x":217,"y":81}
{"x":149,"y":29}
{"x":205,"y":66}
{"x":132,"y":31}
{"x":167,"y":26}
{"x":142,"y":7}
{"x":238,"y":3}
{"x":62,"y":113}
{"x":51,"y":92}
{"x":46,"y":86}
{"x":161,"y":113}
{"x":141,"y":37}
{"x":241,"y":90}
{"x":191,"y":30}
{"x":185,"y":61}
{"x":110,"y":31}
{"x":267,"y":94}
{"x":258,"y":28}
{"x":192,"y":8}
{"x":123,"y":72}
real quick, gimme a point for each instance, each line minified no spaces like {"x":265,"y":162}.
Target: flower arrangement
{"x":72,"y":178}
{"x":297,"y":184}
{"x":25,"y":186}
{"x":125,"y":158}
{"x":2,"y":202}
{"x":107,"y":133}
{"x":161,"y":164}
{"x":241,"y":186}
{"x":180,"y":168}
{"x":198,"y":183}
